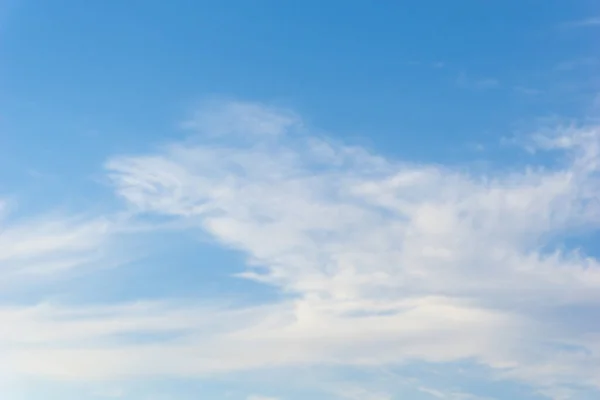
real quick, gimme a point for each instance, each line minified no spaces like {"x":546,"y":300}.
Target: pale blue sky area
{"x":289,"y":200}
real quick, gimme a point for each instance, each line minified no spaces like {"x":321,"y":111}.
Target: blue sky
{"x":277,"y":200}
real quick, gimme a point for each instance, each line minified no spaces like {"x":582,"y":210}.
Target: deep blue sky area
{"x":355,"y":67}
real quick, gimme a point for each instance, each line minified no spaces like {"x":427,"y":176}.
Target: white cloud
{"x":382,"y":262}
{"x":385,"y":250}
{"x":452,"y":395}
{"x":350,"y":392}
{"x":110,"y":393}
{"x":259,"y":397}
{"x":49,"y":244}
{"x":220,"y":117}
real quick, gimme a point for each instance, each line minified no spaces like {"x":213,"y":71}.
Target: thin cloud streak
{"x":583,"y":23}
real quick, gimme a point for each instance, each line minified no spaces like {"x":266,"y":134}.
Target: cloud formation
{"x":378,"y":261}
{"x":45,"y":245}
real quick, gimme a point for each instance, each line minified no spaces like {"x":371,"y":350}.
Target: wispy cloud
{"x":466,"y":81}
{"x":583,"y":23}
{"x":427,"y":64}
{"x":228,"y":118}
{"x":571,"y":65}
{"x":367,"y":242}
{"x":450,"y":395}
{"x":259,"y":397}
{"x":378,"y":261}
{"x":49,"y":244}
{"x":352,"y":392}
{"x":528,"y":91}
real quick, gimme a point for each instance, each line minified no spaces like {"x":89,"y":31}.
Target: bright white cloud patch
{"x":382,"y":262}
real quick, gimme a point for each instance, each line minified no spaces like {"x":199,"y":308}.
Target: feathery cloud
{"x":378,"y":261}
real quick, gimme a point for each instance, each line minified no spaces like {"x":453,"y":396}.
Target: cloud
{"x":578,"y":63}
{"x":221,"y":117}
{"x":430,"y":64}
{"x":110,"y":393}
{"x":3,"y":208}
{"x":259,"y":397}
{"x":452,"y":395}
{"x":366,"y":242}
{"x":584,"y":23}
{"x":48,"y":244}
{"x":356,"y":393}
{"x":377,"y":261}
{"x":477,"y":83}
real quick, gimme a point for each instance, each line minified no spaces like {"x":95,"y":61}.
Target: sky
{"x":290,"y":200}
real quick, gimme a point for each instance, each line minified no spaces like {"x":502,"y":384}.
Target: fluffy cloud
{"x":400,"y":261}
{"x":378,"y":262}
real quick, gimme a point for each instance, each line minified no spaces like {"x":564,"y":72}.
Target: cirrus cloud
{"x":377,"y":261}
